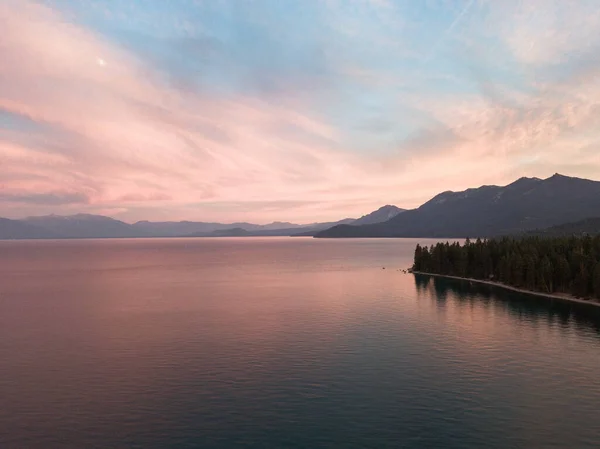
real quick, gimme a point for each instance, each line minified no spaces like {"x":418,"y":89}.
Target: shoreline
{"x":558,"y":296}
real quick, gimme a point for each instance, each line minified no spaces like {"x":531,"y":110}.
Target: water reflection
{"x":218,"y":343}
{"x":524,"y":307}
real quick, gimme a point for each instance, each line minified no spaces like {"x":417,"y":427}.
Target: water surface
{"x":281,"y":343}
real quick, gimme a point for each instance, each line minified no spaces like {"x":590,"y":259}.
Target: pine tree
{"x":516,"y":272}
{"x":565,"y":264}
{"x":545,"y":276}
{"x":562,"y":274}
{"x":530,"y":272}
{"x":417,"y":266}
{"x":581,"y":282}
{"x":596,"y":280}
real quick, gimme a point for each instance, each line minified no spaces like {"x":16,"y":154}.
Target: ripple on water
{"x":280,"y":343}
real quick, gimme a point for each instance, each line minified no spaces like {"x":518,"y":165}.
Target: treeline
{"x":549,"y":265}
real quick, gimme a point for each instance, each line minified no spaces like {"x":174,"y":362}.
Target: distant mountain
{"x":199,"y":228}
{"x":183,"y":228}
{"x":279,"y":225}
{"x":17,"y":229}
{"x":83,"y":226}
{"x":314,"y":228}
{"x":308,"y":230}
{"x":98,"y":226}
{"x":234,"y":232}
{"x":589,"y":226}
{"x":382,"y":214}
{"x":526,"y":204}
{"x":297,"y":231}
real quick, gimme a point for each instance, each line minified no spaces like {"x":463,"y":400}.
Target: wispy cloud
{"x":248,"y":115}
{"x":47,"y":199}
{"x":449,"y":30}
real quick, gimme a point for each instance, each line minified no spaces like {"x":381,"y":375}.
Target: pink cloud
{"x":125,"y":130}
{"x":547,"y":31}
{"x":128,"y":141}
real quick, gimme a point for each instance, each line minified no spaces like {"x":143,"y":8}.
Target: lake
{"x":281,"y":343}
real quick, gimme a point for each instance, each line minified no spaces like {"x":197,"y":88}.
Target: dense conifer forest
{"x":549,"y":265}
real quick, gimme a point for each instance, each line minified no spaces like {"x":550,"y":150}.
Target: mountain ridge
{"x":525,"y":205}
{"x":81,"y":225}
{"x":382,"y":214}
{"x":487,"y":211}
{"x":587,"y":226}
{"x":16,"y":229}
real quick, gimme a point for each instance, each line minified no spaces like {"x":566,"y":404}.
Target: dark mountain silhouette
{"x":84,"y":226}
{"x":589,"y":226}
{"x":526,"y":204}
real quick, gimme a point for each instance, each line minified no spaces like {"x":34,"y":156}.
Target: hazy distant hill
{"x":279,"y":225}
{"x":83,"y":226}
{"x":382,"y":214}
{"x":17,"y":229}
{"x":296,"y":231}
{"x":189,"y":228}
{"x":98,"y":226}
{"x":234,"y":232}
{"x":288,"y":229}
{"x":181,"y":228}
{"x":526,"y":204}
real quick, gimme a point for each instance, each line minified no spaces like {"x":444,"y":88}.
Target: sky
{"x":291,"y":110}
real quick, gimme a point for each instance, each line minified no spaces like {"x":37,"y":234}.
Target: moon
{"x":101,"y":62}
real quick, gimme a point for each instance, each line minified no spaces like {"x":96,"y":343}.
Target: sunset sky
{"x":295,"y":110}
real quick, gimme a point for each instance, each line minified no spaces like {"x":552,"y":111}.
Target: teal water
{"x":281,"y":343}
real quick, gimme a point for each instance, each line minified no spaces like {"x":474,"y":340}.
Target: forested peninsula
{"x":559,"y":266}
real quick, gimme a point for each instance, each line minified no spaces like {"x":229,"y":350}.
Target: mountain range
{"x":589,"y":226}
{"x":488,"y":211}
{"x":98,"y":226}
{"x":557,"y":204}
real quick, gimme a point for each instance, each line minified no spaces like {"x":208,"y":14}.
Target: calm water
{"x":280,"y":343}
